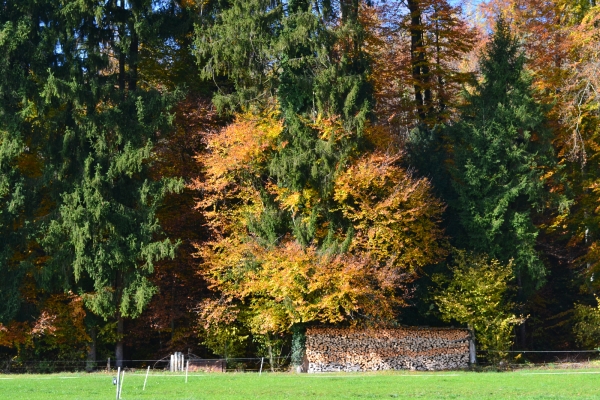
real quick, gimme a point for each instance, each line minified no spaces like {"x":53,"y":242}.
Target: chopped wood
{"x":338,"y":349}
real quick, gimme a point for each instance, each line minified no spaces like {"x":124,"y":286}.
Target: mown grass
{"x":524,"y":384}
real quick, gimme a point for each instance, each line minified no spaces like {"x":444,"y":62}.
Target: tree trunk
{"x":440,"y":89}
{"x":133,"y":60}
{"x":119,"y":346}
{"x":270,"y":347}
{"x":419,"y":65}
{"x":298,"y":346}
{"x":91,"y":357}
{"x":122,"y":52}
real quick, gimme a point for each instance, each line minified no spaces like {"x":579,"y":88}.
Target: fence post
{"x":261,"y":364}
{"x":118,"y":379}
{"x":146,"y":380}
{"x":121,"y":384}
{"x":108,"y":365}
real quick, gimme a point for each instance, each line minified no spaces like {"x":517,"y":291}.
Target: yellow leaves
{"x":287,"y":199}
{"x":273,"y":285}
{"x":294,"y":201}
{"x":267,"y":316}
{"x":291,"y":284}
{"x":394,"y":215}
{"x":236,"y":158}
{"x":329,"y":128}
{"x":476,"y":295}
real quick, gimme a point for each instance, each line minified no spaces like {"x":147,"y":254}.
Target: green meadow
{"x":522,"y":384}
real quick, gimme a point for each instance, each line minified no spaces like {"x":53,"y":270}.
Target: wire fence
{"x":516,"y":357}
{"x":262,"y":364}
{"x":192,"y":364}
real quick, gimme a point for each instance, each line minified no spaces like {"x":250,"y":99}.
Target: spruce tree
{"x":20,"y":46}
{"x":501,"y":153}
{"x":74,"y":94}
{"x":293,"y":53}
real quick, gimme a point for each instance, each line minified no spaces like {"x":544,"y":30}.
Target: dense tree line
{"x":219,"y":175}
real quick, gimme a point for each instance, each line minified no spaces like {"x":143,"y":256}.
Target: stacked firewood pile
{"x":338,"y":349}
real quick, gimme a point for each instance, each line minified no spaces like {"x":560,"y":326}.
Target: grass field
{"x":524,"y":384}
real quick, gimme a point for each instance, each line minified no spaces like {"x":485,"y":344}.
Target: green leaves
{"x":241,"y":45}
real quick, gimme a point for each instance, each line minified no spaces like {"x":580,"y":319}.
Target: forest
{"x":215,"y":176}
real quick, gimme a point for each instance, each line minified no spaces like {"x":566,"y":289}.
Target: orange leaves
{"x":236,"y":158}
{"x":329,"y":128}
{"x":15,"y":334}
{"x":545,"y":26}
{"x":59,"y":326}
{"x":241,"y":148}
{"x":416,"y":57}
{"x":242,"y":144}
{"x":289,"y":284}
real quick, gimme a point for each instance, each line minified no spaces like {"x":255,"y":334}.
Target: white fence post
{"x":121,"y":384}
{"x":118,"y":379}
{"x":146,"y":380}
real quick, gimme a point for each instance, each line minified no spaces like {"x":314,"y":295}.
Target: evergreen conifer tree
{"x":293,"y":53}
{"x":70,"y":88}
{"x":27,"y":52}
{"x":501,"y":154}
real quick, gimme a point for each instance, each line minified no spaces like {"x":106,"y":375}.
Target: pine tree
{"x":501,"y":153}
{"x":74,"y":93}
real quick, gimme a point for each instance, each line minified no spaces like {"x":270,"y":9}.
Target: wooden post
{"x":146,"y":380}
{"x":187,"y":366}
{"x":108,"y":365}
{"x":261,"y":365}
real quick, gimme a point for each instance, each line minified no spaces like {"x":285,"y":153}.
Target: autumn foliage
{"x":361,"y":274}
{"x":217,"y":176}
